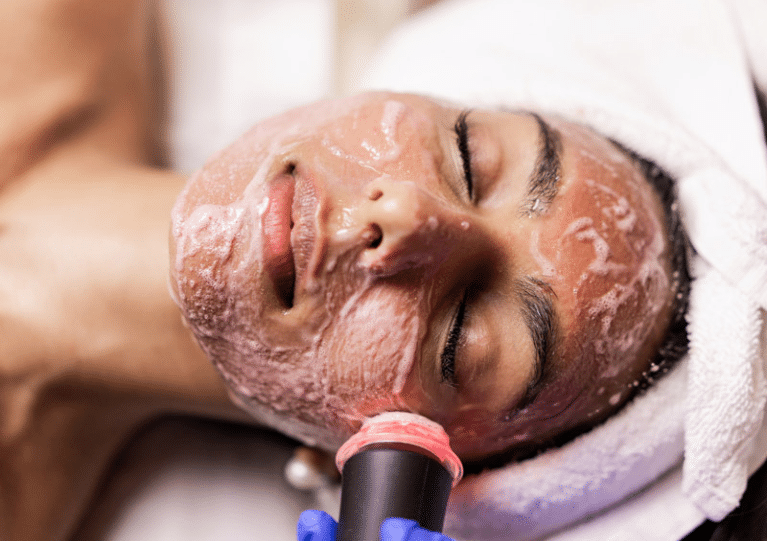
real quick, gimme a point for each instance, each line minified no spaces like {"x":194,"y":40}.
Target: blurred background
{"x":234,"y":62}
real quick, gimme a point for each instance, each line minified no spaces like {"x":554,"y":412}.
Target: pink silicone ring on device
{"x":400,"y":429}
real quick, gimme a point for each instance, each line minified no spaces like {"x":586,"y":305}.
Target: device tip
{"x":401,"y":430}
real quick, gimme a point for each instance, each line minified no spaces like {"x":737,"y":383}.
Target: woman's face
{"x":502,"y":274}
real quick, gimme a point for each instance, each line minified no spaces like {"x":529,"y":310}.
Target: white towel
{"x":670,"y":80}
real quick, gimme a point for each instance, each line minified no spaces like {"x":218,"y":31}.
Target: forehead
{"x":606,"y":253}
{"x":605,"y":216}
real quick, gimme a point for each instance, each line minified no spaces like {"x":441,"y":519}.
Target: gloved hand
{"x":319,"y":526}
{"x":402,"y":529}
{"x":316,"y":526}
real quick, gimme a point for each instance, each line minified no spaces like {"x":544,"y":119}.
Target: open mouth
{"x":277,"y":226}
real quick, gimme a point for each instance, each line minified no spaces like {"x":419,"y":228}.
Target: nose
{"x":405,"y":226}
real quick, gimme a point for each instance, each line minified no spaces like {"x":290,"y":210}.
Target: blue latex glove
{"x":319,"y":526}
{"x":316,"y":526}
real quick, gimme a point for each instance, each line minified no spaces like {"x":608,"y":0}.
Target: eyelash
{"x":461,"y":129}
{"x":447,"y":359}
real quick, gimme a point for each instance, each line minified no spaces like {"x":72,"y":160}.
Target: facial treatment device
{"x":397,"y":465}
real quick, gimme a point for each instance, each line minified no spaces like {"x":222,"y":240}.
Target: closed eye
{"x":461,"y":129}
{"x":447,"y":358}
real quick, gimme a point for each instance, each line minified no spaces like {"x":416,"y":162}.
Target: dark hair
{"x":675,"y":343}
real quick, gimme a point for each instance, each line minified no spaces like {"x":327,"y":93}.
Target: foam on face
{"x":277,"y":365}
{"x":626,"y":272}
{"x":317,"y":370}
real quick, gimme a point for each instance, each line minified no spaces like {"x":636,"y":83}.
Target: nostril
{"x":373,"y":236}
{"x":375,"y":194}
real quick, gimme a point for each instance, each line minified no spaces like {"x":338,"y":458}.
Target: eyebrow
{"x":542,"y":322}
{"x":536,"y":295}
{"x":544,"y":181}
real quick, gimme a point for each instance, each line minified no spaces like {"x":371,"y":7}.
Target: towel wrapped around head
{"x":669,"y":80}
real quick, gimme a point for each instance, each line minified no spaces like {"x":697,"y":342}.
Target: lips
{"x":277,"y":223}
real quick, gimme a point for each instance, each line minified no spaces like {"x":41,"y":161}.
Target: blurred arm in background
{"x":91,"y":346}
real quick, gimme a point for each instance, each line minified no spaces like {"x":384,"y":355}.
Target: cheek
{"x":203,"y":246}
{"x":372,"y":349}
{"x":373,"y":135}
{"x":354,"y":366}
{"x":391,"y":139}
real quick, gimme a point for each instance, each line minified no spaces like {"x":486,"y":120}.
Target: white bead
{"x":303,"y":473}
{"x":301,"y":476}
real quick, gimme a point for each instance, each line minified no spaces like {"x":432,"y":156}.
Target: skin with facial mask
{"x":502,"y":273}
